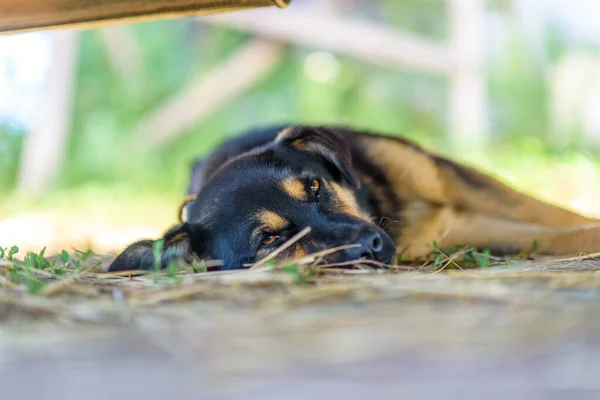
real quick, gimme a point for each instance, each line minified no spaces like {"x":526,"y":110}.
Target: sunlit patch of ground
{"x":102,"y":219}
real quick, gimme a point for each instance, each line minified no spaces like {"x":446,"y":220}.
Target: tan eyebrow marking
{"x":294,"y":188}
{"x":347,"y":202}
{"x":271,"y":220}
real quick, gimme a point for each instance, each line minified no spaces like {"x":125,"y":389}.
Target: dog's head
{"x":257,"y":201}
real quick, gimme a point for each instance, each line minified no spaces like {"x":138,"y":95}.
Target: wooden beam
{"x":212,"y":90}
{"x":28,"y":15}
{"x":368,"y":42}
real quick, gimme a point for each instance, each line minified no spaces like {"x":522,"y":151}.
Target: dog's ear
{"x":197,"y":176}
{"x":176,"y":246}
{"x":323,"y":142}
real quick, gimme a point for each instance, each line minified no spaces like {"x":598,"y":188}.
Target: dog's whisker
{"x":392,"y":222}
{"x":382,"y":220}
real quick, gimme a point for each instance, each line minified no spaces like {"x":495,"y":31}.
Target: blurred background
{"x":98,"y":128}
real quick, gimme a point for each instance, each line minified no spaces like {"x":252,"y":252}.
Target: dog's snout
{"x":371,"y":246}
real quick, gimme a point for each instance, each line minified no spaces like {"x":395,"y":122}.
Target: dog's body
{"x":384,"y":194}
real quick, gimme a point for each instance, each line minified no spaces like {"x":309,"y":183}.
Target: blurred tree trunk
{"x":468,"y":99}
{"x":45,"y":145}
{"x":124,"y":56}
{"x":122,"y":50}
{"x":248,"y":65}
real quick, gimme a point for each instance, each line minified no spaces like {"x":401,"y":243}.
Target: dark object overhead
{"x":29,"y":15}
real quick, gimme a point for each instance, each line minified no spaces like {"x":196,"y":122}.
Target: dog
{"x":377,"y":198}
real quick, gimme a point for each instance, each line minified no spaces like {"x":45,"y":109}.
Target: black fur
{"x":243,"y":176}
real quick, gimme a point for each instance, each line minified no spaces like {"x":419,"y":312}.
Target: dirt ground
{"x":522,"y":330}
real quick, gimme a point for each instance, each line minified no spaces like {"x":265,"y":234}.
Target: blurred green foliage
{"x":11,"y":139}
{"x":176,"y":52}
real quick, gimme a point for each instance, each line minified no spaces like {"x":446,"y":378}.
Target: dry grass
{"x":255,"y":323}
{"x":83,"y":277}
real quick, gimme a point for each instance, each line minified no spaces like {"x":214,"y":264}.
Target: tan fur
{"x":423,"y":226}
{"x":284,"y":134}
{"x":296,"y":252}
{"x":484,"y":229}
{"x":271,"y":221}
{"x":176,"y":239}
{"x":440,"y":205}
{"x":411,"y":172}
{"x":294,"y":188}
{"x":347,"y":202}
{"x":299,"y":252}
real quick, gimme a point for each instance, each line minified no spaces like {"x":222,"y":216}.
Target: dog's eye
{"x":270,"y":239}
{"x":315,"y":185}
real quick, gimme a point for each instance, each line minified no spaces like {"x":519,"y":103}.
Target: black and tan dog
{"x":385,"y":194}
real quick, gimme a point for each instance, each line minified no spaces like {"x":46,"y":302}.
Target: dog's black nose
{"x":371,"y":246}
